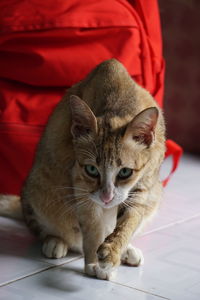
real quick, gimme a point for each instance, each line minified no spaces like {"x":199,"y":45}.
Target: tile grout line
{"x":143,"y":291}
{"x":51,"y":266}
{"x":63,"y":263}
{"x":171,"y":224}
{"x":25,"y":276}
{"x":56,"y":266}
{"x":38,"y":272}
{"x":69,"y":261}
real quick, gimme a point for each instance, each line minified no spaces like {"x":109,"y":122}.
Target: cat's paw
{"x":96,"y":271}
{"x":108,"y":256}
{"x":132,"y":256}
{"x":54,"y":247}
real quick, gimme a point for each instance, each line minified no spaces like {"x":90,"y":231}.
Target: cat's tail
{"x":10,"y":206}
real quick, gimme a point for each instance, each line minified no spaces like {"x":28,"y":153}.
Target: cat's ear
{"x":84,"y":121}
{"x":142,"y":127}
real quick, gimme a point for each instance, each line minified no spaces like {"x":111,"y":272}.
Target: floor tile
{"x":18,"y":241}
{"x":69,"y":282}
{"x":171,"y":268}
{"x":12,"y":268}
{"x":181,"y":195}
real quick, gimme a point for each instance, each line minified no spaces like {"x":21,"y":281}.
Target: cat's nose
{"x":106,"y":197}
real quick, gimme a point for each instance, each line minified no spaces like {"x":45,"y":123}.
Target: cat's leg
{"x":132,"y":256}
{"x":110,"y":252}
{"x":54,"y":247}
{"x":92,"y":226}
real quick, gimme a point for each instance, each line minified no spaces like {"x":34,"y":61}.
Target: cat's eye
{"x":125,"y":173}
{"x":91,"y":171}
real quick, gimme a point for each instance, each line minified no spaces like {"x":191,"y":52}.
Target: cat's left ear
{"x":142,"y":127}
{"x":84,"y":121}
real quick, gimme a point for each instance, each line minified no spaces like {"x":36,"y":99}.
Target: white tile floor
{"x":171,"y":246}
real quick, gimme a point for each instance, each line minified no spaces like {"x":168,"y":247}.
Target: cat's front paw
{"x":132,"y":256}
{"x":108,"y":256}
{"x":54,"y":247}
{"x":96,"y":271}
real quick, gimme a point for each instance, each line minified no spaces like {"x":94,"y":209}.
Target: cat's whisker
{"x":66,"y":211}
{"x":51,"y":203}
{"x":70,"y":206}
{"x":74,"y":195}
{"x":82,"y":205}
{"x":129,"y":199}
{"x":70,"y":187}
{"x":56,"y":202}
{"x":132,"y":206}
{"x":79,"y":204}
{"x":78,"y":193}
{"x":61,"y":210}
{"x":55,"y":205}
{"x":133,"y":193}
{"x":126,"y":204}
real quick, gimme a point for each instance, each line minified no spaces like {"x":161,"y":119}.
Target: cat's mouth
{"x":107,"y":203}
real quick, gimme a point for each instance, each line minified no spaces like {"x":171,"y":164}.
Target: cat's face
{"x":109,"y":161}
{"x":107,"y":174}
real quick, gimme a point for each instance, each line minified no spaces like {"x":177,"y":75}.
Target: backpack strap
{"x":176,"y":152}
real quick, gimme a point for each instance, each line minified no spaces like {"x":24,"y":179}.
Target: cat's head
{"x":111,"y":152}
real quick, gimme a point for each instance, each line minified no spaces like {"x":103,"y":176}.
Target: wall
{"x":181,"y":37}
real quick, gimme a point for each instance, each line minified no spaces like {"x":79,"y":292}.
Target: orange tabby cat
{"x":95,"y":180}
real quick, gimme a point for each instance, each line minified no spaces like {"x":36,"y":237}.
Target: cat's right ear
{"x":84,"y":121}
{"x":142,"y":127}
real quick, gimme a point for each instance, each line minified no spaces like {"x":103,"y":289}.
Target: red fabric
{"x":46,"y":46}
{"x":175,"y":151}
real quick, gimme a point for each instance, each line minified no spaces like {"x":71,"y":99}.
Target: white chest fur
{"x":109,"y":220}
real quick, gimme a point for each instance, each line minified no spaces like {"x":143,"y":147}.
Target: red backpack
{"x":47,"y":46}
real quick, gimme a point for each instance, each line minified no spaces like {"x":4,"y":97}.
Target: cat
{"x":95,"y":180}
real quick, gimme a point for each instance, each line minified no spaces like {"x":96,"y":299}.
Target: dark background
{"x":180,"y":20}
